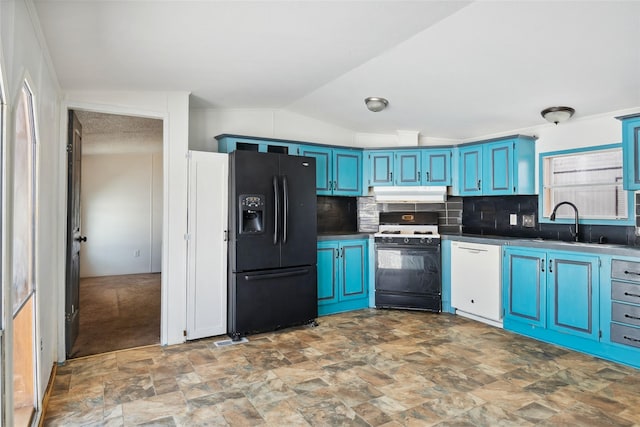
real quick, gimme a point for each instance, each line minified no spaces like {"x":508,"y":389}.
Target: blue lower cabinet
{"x":568,"y":298}
{"x":554,"y":293}
{"x":342,"y":275}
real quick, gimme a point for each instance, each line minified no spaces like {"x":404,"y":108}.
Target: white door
{"x":207,"y":245}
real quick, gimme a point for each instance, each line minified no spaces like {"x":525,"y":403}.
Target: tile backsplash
{"x":449,"y":213}
{"x":337,"y":214}
{"x":490,"y":215}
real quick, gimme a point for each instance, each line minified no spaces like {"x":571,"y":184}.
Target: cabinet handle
{"x":337,"y":253}
{"x":632,"y":272}
{"x":627,"y":294}
{"x":542,"y":264}
{"x":390,"y":176}
{"x":342,"y":253}
{"x":628,"y":316}
{"x":428,"y":177}
{"x":550,"y":266}
{"x":630,"y":339}
{"x":419,"y":176}
{"x":479,"y":185}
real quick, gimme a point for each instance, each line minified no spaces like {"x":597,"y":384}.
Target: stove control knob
{"x":422,"y":240}
{"x":406,"y":240}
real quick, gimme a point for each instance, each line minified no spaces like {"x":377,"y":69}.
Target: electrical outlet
{"x":513,"y":219}
{"x":136,"y":253}
{"x":529,"y":221}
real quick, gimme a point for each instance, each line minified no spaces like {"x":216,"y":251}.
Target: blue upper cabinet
{"x":338,"y":171}
{"x":470,"y":171}
{"x":229,"y":143}
{"x":381,"y":165}
{"x":499,"y":167}
{"x":347,"y":172}
{"x":407,"y":167}
{"x":436,"y":167}
{"x":324,"y":167}
{"x":631,"y":151}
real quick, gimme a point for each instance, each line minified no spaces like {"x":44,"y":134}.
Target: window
{"x":590,"y":179}
{"x":23,"y":199}
{"x":23,"y":257}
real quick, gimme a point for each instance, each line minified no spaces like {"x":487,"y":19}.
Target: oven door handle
{"x":433,"y":248}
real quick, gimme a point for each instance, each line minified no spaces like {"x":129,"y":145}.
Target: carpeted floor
{"x":118,"y":312}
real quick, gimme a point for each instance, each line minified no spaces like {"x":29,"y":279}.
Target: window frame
{"x":629,"y":221}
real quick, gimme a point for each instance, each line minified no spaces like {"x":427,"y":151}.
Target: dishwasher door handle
{"x":472,"y":250}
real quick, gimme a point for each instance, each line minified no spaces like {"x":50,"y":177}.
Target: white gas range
{"x":408,"y":228}
{"x":408,"y":261}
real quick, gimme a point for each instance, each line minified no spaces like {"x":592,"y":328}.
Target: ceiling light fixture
{"x":557,"y":114}
{"x":376,"y":104}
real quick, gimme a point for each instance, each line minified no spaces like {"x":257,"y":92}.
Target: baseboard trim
{"x":47,"y":394}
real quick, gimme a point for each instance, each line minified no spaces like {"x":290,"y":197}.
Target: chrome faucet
{"x":553,"y":217}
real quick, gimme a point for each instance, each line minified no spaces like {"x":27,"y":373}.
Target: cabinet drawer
{"x":625,"y":313}
{"x":625,"y":335}
{"x":625,"y":270}
{"x":627,"y":292}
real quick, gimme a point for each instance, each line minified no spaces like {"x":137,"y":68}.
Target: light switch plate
{"x":513,"y":219}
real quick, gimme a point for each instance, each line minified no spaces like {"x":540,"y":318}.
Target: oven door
{"x":408,"y":277}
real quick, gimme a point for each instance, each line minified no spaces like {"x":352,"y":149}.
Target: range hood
{"x":422,"y":194}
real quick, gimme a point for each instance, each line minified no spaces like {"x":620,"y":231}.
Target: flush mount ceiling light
{"x":557,"y":114}
{"x":376,"y":104}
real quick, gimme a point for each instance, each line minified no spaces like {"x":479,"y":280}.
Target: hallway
{"x":118,"y":312}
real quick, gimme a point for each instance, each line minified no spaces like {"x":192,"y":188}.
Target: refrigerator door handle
{"x":276,"y":209}
{"x":291,"y":273}
{"x":285,"y":208}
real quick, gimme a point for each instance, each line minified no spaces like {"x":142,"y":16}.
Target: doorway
{"x":121,"y":233}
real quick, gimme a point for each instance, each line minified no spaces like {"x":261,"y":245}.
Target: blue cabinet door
{"x":407,"y":166}
{"x":470,"y":170}
{"x":324,"y":167}
{"x":380,"y":168}
{"x":347,"y":172}
{"x":343,"y":275}
{"x":327,"y":272}
{"x":354,"y":265}
{"x":436,"y":167}
{"x":524,"y":286}
{"x":498,"y":168}
{"x":631,"y":152}
{"x":573,"y":281}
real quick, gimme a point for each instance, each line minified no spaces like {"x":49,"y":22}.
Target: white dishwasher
{"x":476,"y":285}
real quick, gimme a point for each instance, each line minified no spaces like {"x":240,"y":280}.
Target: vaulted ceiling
{"x":450,"y":69}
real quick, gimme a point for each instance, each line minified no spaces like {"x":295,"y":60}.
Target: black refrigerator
{"x":272,"y":242}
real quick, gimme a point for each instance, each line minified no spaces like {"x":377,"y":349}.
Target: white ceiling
{"x":450,"y":69}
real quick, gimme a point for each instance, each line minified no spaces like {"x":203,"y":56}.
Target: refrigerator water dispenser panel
{"x":251,"y":213}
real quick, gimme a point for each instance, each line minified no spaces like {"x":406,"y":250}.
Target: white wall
{"x":121,"y":197}
{"x":23,"y":56}
{"x":205,"y":124}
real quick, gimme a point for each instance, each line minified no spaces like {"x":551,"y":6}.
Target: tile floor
{"x":369,"y":367}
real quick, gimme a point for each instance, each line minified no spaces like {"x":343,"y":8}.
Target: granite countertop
{"x":597,"y":248}
{"x":343,"y":235}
